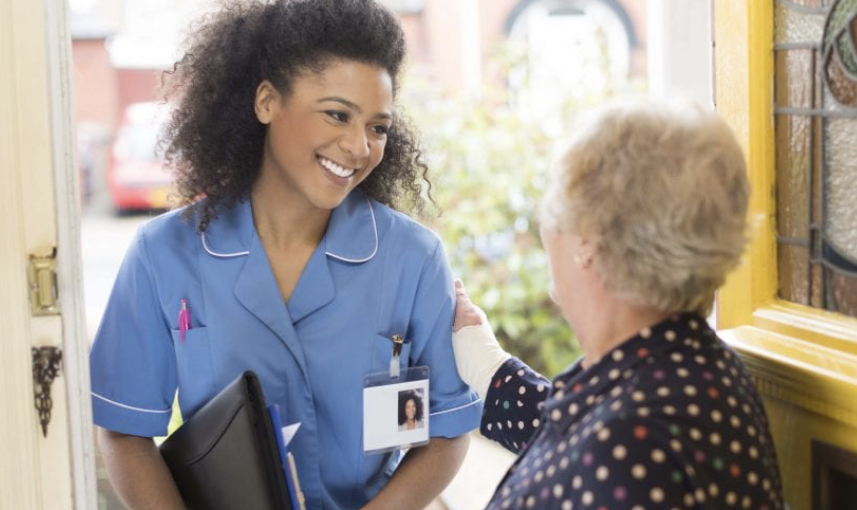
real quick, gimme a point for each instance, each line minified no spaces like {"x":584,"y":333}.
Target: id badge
{"x":395,"y":410}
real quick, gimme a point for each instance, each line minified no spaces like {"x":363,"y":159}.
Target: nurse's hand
{"x":478,"y":356}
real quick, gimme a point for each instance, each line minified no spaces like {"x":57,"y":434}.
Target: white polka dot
{"x":663,"y":391}
{"x":699,"y":494}
{"x":693,"y":410}
{"x":617,"y":355}
{"x":619,"y":452}
{"x":690,"y":390}
{"x":616,"y":405}
{"x":669,"y":335}
{"x":508,"y":378}
{"x":731,"y":498}
{"x":735,"y":421}
{"x":540,"y":388}
{"x":563,"y":463}
{"x":643,"y":411}
{"x":754,"y":452}
{"x":536,"y":423}
{"x":735,"y":446}
{"x":614,"y":374}
{"x":682,"y":372}
{"x":594,"y":381}
{"x":713,"y":490}
{"x":715,"y":438}
{"x":695,"y":434}
{"x":587,"y":498}
{"x":746,"y":502}
{"x":751,"y":430}
{"x":522,"y":390}
{"x":521,"y":373}
{"x":658,"y":455}
{"x":638,"y":396}
{"x":752,"y":478}
{"x":657,"y":494}
{"x":669,"y":410}
{"x":616,"y":391}
{"x":539,"y":475}
{"x":521,"y":425}
{"x":602,"y":473}
{"x":688,"y":500}
{"x":509,"y":424}
{"x":556,"y":415}
{"x":499,"y":426}
{"x":576,"y":482}
{"x":551,"y":470}
{"x":716,"y":416}
{"x":693,"y":324}
{"x":603,"y":435}
{"x":572,"y":409}
{"x":520,"y":404}
{"x":567,"y":505}
{"x":489,"y":426}
{"x":675,"y":444}
{"x":557,"y":491}
{"x":638,"y":471}
{"x":531,"y":502}
{"x":677,"y":357}
{"x":646,"y":332}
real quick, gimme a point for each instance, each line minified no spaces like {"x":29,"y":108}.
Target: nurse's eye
{"x":337,"y":115}
{"x":381,"y":130}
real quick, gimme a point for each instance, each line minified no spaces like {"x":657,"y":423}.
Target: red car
{"x":137,"y":178}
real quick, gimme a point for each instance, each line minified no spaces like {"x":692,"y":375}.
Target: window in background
{"x":567,"y":50}
{"x":815,"y":113}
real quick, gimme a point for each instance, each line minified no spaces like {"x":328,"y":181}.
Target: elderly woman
{"x":643,"y":218}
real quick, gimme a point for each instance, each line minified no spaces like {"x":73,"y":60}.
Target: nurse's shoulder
{"x":169,"y":235}
{"x":403,"y":234}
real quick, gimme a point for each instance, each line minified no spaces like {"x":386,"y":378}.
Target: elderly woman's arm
{"x":512,"y":391}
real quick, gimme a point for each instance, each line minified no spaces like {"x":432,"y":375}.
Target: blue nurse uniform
{"x":375,"y":273}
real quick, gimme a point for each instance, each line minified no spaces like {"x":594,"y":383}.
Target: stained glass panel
{"x":793,"y":170}
{"x":815,"y":107}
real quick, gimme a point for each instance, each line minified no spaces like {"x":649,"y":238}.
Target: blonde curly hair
{"x":662,"y":189}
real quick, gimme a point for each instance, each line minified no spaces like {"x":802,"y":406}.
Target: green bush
{"x":489,"y":162}
{"x":488,"y":167}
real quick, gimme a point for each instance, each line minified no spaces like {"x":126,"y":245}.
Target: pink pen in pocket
{"x":184,"y":319}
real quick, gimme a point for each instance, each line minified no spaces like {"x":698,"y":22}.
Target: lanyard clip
{"x":395,"y":369}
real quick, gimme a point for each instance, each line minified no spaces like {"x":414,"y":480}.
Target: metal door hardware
{"x":47,"y":363}
{"x":42,"y":277}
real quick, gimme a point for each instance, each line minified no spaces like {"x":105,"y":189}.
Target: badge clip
{"x":395,"y":368}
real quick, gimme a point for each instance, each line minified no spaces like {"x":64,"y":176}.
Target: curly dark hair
{"x":214,"y":142}
{"x":404,"y":396}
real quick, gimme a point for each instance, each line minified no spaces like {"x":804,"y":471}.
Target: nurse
{"x":290,"y":259}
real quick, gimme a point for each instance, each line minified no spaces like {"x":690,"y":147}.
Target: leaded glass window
{"x":815,"y":115}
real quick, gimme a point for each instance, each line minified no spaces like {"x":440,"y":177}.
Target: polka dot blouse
{"x":669,"y":419}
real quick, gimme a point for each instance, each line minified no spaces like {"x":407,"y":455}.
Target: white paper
{"x":289,"y":432}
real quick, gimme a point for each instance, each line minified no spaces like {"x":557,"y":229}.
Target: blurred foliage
{"x":489,"y":164}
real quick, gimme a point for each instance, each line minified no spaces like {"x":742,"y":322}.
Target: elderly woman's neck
{"x":618,"y":322}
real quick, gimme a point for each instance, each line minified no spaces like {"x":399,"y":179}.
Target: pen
{"x":184,"y":319}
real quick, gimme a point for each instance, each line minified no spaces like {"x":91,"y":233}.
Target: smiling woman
{"x":291,"y":157}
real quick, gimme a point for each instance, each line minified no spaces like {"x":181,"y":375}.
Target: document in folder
{"x":227,"y":455}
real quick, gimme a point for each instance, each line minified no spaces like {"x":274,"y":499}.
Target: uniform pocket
{"x":195,"y":369}
{"x":383,"y":353}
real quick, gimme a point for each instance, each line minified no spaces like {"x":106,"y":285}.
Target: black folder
{"x":226,"y":455}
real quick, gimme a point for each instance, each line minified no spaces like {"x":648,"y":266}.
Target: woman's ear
{"x":267,"y":100}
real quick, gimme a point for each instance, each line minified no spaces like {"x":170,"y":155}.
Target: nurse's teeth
{"x":336,"y":169}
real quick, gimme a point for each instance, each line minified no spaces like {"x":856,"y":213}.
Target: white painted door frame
{"x":39,"y":207}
